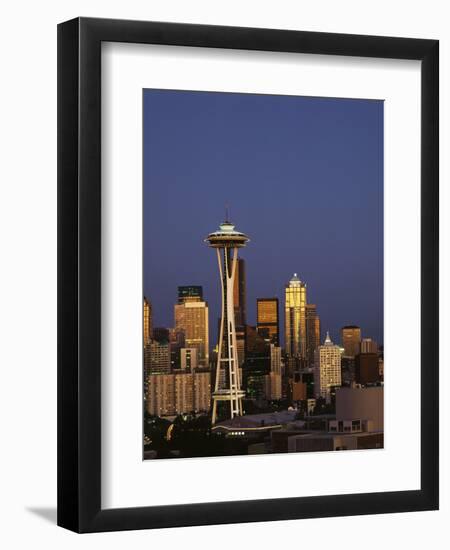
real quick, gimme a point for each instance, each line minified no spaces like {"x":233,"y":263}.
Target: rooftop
{"x":296,"y":282}
{"x":263,"y":421}
{"x":227,"y":235}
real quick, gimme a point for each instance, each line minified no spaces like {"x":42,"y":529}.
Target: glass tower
{"x":295,"y":318}
{"x":267,"y":319}
{"x":312,"y":333}
{"x":147,"y":321}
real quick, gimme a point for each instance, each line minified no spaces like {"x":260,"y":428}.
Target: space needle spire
{"x":226,"y":240}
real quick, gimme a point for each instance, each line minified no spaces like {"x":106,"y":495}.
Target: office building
{"x":177,"y":341}
{"x":240,"y":294}
{"x":240,"y":345}
{"x":157,"y":358}
{"x":275,"y":359}
{"x":254,"y":342}
{"x":267,"y":322}
{"x":312,"y":333}
{"x":161,"y":335}
{"x":257,"y":364}
{"x":297,"y":391}
{"x":295,"y":318}
{"x":368,"y":346}
{"x":190,"y":293}
{"x":192,"y":317}
{"x":348,"y":370}
{"x":147,"y":326}
{"x":307,"y":377}
{"x":351,"y":340}
{"x":273,"y":380}
{"x":188,"y":358}
{"x":327,"y":369}
{"x":367,"y":369}
{"x":260,"y":356}
{"x":272,"y":388}
{"x":381,"y":367}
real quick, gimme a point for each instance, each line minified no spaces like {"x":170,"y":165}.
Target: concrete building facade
{"x":327,"y":368}
{"x":193,"y":318}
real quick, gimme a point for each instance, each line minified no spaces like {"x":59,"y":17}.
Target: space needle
{"x":226,"y":240}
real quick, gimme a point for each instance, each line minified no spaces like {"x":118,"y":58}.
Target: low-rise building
{"x":361,"y":403}
{"x":334,"y":442}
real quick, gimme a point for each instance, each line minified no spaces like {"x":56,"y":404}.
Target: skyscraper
{"x":161,"y":334}
{"x":257,"y":363}
{"x":267,"y":322}
{"x":254,"y":342}
{"x":192,"y":317}
{"x":295,"y":318}
{"x":367,"y":369}
{"x":275,"y":359}
{"x":240,"y":294}
{"x":190,"y":293}
{"x":226,"y":241}
{"x":273,"y":379}
{"x":327,"y":368}
{"x":351,"y":340}
{"x":240,"y":343}
{"x":177,"y":341}
{"x":147,"y":320}
{"x":368,"y":346}
{"x":157,"y":357}
{"x":188,"y":358}
{"x":312,"y":333}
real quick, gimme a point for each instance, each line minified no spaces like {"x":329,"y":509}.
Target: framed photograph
{"x":248,"y":275}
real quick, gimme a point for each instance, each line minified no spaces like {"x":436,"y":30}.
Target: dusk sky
{"x":304,"y":180}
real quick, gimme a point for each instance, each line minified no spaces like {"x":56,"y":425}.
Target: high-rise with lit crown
{"x":295,"y":318}
{"x":226,"y":240}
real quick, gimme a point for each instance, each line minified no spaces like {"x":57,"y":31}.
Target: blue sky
{"x":304,"y":179}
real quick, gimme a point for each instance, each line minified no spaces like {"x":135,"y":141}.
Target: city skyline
{"x":213,"y":340}
{"x":338,"y":253}
{"x":263,"y":231}
{"x":252,"y":320}
{"x":252,"y":312}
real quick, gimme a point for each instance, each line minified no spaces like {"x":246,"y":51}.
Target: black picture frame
{"x":79,"y":274}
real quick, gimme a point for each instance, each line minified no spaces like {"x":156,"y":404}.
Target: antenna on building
{"x":227,"y":212}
